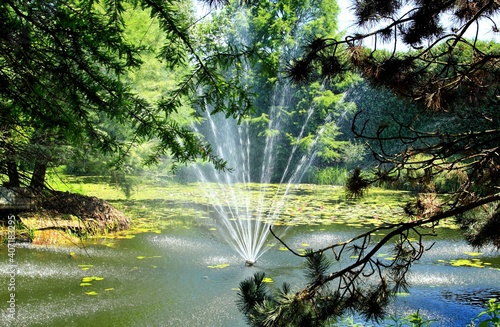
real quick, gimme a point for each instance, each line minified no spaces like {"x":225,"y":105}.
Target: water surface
{"x":186,"y":275}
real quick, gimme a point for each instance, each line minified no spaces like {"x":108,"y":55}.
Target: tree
{"x":63,"y":65}
{"x":454,"y":133}
{"x":254,"y":44}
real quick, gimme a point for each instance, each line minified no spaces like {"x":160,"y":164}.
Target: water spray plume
{"x":245,"y":201}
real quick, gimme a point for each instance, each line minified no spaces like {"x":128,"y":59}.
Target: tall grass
{"x":327,"y":176}
{"x":409,"y":179}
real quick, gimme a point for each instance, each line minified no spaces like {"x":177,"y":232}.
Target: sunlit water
{"x":165,"y":280}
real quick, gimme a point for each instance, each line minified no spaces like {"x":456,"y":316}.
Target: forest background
{"x":113,"y":88}
{"x":86,"y":132}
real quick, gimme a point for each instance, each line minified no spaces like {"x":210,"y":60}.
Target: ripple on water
{"x":42,"y":270}
{"x":176,"y":242}
{"x":434,"y":279}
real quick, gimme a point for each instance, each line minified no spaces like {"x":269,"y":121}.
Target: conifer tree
{"x":62,"y":68}
{"x":452,"y":77}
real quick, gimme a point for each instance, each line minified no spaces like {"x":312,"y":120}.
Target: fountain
{"x":240,"y":196}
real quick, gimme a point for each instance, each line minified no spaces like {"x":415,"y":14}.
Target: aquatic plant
{"x":492,"y":314}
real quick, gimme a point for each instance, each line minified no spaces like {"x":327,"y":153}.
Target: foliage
{"x":414,"y":320}
{"x":446,"y":125}
{"x":492,"y":313}
{"x":64,"y":68}
{"x":328,"y":144}
{"x":334,"y":175}
{"x":252,"y":44}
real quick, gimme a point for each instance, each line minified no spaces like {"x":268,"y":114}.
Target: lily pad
{"x":85,"y":267}
{"x":219,"y":266}
{"x":473,"y":254}
{"x":467,"y":263}
{"x":91,"y":278}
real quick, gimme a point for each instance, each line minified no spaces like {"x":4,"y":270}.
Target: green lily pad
{"x":85,"y":267}
{"x":467,"y":263}
{"x":473,"y":254}
{"x":219,"y":266}
{"x":91,"y":278}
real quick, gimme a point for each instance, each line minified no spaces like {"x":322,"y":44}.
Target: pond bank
{"x":62,"y":217}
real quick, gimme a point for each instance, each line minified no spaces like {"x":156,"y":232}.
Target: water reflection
{"x":188,"y":277}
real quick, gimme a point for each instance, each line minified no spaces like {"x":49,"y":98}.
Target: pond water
{"x":186,"y":275}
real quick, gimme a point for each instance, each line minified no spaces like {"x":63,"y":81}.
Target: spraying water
{"x":241,"y":197}
{"x":251,"y":197}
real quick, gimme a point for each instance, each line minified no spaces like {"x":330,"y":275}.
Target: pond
{"x":182,"y":273}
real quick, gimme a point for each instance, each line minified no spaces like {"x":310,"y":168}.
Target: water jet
{"x":249,"y":262}
{"x":251,"y":196}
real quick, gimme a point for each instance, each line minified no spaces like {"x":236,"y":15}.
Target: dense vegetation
{"x":106,"y":87}
{"x":67,"y":69}
{"x":445,"y":128}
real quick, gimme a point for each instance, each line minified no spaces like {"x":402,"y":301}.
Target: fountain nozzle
{"x":249,"y":262}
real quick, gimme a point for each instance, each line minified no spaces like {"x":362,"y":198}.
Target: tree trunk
{"x":38,"y":177}
{"x":12,"y":173}
{"x":10,"y":157}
